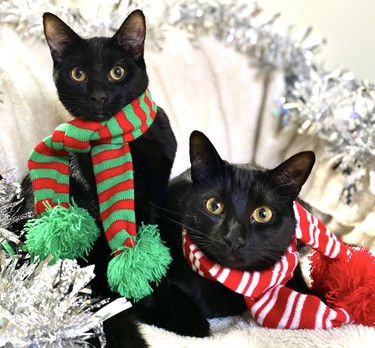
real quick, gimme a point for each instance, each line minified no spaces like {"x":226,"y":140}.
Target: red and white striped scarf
{"x":270,"y":302}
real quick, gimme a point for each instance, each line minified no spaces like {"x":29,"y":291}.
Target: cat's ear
{"x":293,"y":173}
{"x":58,"y":34}
{"x":204,"y":158}
{"x":132,"y":33}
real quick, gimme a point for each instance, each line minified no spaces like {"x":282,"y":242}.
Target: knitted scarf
{"x":67,"y":231}
{"x":270,"y":302}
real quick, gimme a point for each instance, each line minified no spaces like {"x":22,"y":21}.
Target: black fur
{"x":232,"y":238}
{"x":97,"y":97}
{"x":183,"y":301}
{"x":153,"y":153}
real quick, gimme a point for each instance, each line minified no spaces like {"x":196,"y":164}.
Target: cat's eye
{"x":116,"y":73}
{"x":77,"y":74}
{"x":214,"y":206}
{"x":262,"y":214}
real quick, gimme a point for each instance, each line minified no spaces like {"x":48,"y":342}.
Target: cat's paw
{"x":171,"y":309}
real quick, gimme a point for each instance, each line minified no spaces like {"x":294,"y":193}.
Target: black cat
{"x":95,"y":78}
{"x":220,"y":205}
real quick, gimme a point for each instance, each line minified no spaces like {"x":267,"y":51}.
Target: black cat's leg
{"x":122,"y":331}
{"x":171,"y":309}
{"x":298,"y":283}
{"x":167,"y":308}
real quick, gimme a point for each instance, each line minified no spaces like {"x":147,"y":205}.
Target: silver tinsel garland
{"x":42,"y":305}
{"x":38,"y":308}
{"x":10,"y":192}
{"x":49,"y":306}
{"x":331,"y":105}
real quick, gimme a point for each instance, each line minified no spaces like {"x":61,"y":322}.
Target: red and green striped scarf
{"x":67,"y":231}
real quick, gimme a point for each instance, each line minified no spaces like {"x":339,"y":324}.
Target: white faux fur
{"x":245,"y":332}
{"x":29,"y":107}
{"x":238,"y":332}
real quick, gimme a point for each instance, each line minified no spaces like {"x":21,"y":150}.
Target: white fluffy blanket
{"x":243,"y":333}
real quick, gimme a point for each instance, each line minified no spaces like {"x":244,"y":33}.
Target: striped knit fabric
{"x":270,"y":302}
{"x":112,"y":163}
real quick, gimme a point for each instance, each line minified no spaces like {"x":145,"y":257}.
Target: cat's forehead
{"x":248,"y":183}
{"x":238,"y":180}
{"x":97,"y":51}
{"x":245,"y":175}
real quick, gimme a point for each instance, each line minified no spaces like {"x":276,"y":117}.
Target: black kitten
{"x":241,"y":216}
{"x":95,"y":78}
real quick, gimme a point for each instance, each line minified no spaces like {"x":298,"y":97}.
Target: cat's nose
{"x":98,"y":97}
{"x":234,"y":236}
{"x":234,"y":242}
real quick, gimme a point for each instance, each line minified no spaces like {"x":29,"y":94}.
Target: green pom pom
{"x":65,"y":233}
{"x":130,"y":272}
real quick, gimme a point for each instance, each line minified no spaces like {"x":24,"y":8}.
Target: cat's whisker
{"x":197,"y":233}
{"x":160,"y":208}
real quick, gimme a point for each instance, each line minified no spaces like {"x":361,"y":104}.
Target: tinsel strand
{"x":45,"y":308}
{"x":49,"y":306}
{"x":331,"y":105}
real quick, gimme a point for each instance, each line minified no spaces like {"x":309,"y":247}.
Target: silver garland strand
{"x":331,"y":105}
{"x":339,"y":110}
{"x":50,"y":306}
{"x":9,"y":190}
{"x":38,"y":308}
{"x":25,"y":17}
{"x":10,"y":198}
{"x":41,"y":305}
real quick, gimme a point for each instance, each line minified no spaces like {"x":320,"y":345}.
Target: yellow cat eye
{"x":262,"y":214}
{"x":116,"y":73}
{"x":77,"y":74}
{"x":214,"y":206}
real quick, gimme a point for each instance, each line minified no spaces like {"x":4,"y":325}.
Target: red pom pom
{"x":348,"y":284}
